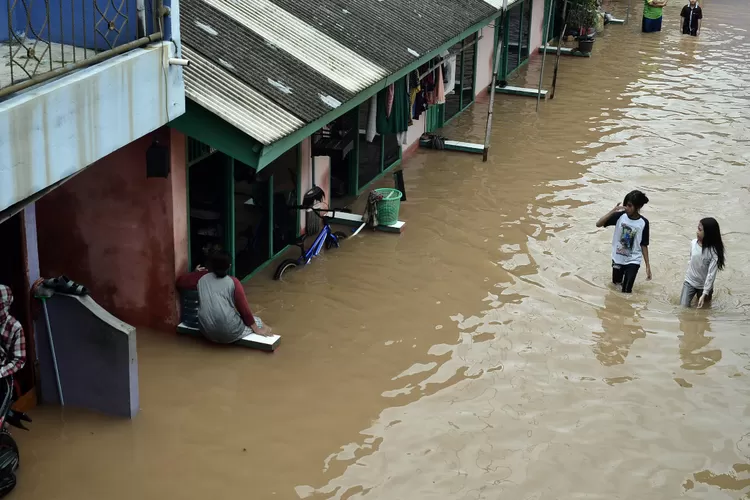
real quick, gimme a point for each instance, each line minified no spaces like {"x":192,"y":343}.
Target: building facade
{"x":78,"y":82}
{"x":280,"y":96}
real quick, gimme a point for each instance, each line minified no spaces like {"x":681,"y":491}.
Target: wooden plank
{"x":252,"y":341}
{"x":465,"y":147}
{"x":511,"y":90}
{"x":565,"y":51}
{"x":347,"y":219}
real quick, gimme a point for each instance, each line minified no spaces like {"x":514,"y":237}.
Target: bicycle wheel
{"x":284,"y":267}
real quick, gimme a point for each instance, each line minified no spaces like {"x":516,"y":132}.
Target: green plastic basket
{"x":388,"y":206}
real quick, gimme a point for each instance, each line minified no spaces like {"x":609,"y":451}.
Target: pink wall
{"x":122,"y":235}
{"x":485,"y":54}
{"x":415,"y":131}
{"x":322,"y":175}
{"x":537,"y":23}
{"x":178,"y":178}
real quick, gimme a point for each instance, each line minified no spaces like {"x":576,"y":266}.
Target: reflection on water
{"x":694,"y":342}
{"x":482,"y":354}
{"x":620,"y":328}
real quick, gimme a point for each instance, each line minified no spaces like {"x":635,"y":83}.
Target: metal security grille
{"x":46,"y":36}
{"x":197,"y":151}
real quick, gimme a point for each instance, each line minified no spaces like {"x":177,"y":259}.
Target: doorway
{"x":13,"y":273}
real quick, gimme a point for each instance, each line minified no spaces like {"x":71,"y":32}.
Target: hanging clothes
{"x":420,"y":104}
{"x":440,"y":87}
{"x":408,"y":94}
{"x":429,"y":84}
{"x":389,"y":100}
{"x":414,"y":89}
{"x":398,"y":120}
{"x":372,"y":117}
{"x":449,"y":72}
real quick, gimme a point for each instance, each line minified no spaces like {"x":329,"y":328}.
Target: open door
{"x":14,"y":273}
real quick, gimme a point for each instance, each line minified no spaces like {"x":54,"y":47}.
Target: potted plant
{"x":583,"y":17}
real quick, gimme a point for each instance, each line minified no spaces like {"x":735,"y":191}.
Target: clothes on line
{"x":440,"y":88}
{"x":395,"y":108}
{"x":449,"y":72}
{"x":372,"y":119}
{"x":398,"y":119}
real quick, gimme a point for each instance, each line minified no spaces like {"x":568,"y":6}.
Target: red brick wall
{"x":122,"y":235}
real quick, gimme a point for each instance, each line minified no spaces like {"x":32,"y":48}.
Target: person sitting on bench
{"x":223,"y":313}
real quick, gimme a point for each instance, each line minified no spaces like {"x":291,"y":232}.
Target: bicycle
{"x":326,"y":236}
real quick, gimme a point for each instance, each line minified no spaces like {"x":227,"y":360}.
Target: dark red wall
{"x":121,"y":234}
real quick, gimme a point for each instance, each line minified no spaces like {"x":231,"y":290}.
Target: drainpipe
{"x":140,"y":8}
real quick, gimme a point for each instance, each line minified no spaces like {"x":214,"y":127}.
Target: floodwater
{"x":482,"y":354}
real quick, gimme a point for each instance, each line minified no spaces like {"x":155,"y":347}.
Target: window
{"x":210,"y":218}
{"x":251,"y":209}
{"x":468,"y":71}
{"x":234,"y":208}
{"x":463,"y":94}
{"x":370,"y":153}
{"x":525,"y":29}
{"x":453,"y":99}
{"x":514,"y":38}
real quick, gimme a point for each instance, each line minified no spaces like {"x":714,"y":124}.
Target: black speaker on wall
{"x":157,"y":160}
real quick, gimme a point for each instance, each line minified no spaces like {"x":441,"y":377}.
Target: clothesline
{"x":473,"y":42}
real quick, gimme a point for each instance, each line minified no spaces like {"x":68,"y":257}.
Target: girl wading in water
{"x":630,"y":241}
{"x":706,"y":259}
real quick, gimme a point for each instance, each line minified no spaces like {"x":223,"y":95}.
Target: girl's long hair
{"x":712,"y":238}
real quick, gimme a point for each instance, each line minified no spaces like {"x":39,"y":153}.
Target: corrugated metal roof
{"x":302,"y":59}
{"x":320,"y":52}
{"x":278,"y":75}
{"x":234,"y":101}
{"x":392,"y":33}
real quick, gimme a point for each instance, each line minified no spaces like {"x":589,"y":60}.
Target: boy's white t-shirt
{"x":630,"y":235}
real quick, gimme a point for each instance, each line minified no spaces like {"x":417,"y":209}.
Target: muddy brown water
{"x":482,"y":354}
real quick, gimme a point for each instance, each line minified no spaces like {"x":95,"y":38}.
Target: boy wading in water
{"x":691,"y":18}
{"x":652,"y":14}
{"x":630,"y":241}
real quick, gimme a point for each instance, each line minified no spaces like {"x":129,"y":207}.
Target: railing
{"x":43,"y":39}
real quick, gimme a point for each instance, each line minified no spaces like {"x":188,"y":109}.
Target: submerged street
{"x":483,"y":353}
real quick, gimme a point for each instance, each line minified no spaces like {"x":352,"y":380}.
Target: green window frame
{"x":436,"y":115}
{"x":520,"y":9}
{"x":197,"y":151}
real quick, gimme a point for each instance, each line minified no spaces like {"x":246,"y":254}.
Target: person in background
{"x":223,"y":313}
{"x":691,"y":16}
{"x":12,"y":340}
{"x":652,"y":15}
{"x":706,"y":259}
{"x":630,"y":241}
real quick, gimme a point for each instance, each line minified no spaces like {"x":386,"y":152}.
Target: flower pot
{"x":585,"y":46}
